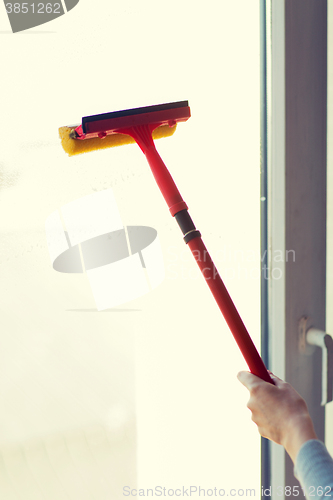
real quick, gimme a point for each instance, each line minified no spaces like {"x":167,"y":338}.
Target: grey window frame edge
{"x":264,"y":343}
{"x":296,"y":187}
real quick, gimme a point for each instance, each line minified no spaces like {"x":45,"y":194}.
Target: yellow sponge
{"x":76,"y":146}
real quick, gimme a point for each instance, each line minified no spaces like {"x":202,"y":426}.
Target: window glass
{"x":143,"y":392}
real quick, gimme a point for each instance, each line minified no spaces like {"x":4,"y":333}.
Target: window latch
{"x":321,"y":339}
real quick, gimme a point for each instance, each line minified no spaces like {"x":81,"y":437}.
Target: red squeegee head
{"x":139,"y":123}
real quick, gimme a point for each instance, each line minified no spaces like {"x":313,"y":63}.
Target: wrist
{"x":300,"y":430}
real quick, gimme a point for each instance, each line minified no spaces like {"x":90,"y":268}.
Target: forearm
{"x":314,"y":470}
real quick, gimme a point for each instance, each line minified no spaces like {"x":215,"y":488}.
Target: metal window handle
{"x":325,"y":341}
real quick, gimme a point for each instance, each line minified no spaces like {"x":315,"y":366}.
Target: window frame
{"x":296,"y":79}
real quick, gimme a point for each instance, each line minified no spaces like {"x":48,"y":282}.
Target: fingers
{"x":249,"y":380}
{"x":274,"y":376}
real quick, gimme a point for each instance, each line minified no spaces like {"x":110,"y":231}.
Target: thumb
{"x":248,"y":379}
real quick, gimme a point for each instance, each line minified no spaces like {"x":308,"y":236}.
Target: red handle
{"x":228,"y":309}
{"x":201,"y":255}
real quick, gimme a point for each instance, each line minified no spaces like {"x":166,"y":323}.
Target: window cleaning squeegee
{"x":143,"y":125}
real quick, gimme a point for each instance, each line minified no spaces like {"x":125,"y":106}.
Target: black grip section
{"x":185,"y":222}
{"x":187,"y":226}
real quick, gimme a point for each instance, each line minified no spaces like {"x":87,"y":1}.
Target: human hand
{"x":280,"y":413}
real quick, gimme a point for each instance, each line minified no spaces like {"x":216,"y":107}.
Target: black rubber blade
{"x":134,"y":111}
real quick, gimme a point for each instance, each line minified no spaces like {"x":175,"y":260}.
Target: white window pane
{"x":146,"y":388}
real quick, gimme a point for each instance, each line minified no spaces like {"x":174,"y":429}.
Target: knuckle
{"x":256,"y":390}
